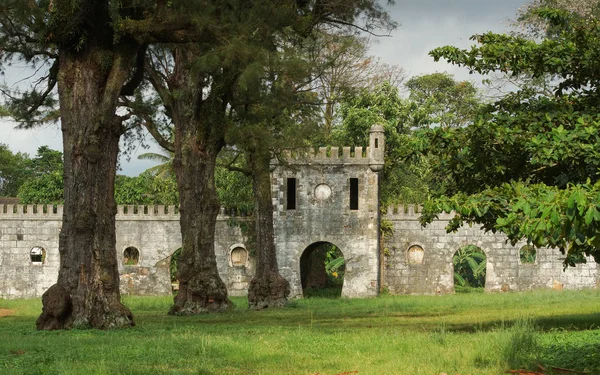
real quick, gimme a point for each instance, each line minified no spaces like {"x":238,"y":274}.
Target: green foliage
{"x":527,"y":254}
{"x":173,"y":265}
{"x":567,"y":219}
{"x":439,"y":100}
{"x":528,"y":166}
{"x":146,"y":189}
{"x":402,"y":181}
{"x":47,"y":161}
{"x":14,"y":171}
{"x":469,"y":267}
{"x":162,"y":170}
{"x":234,"y":190}
{"x":571,"y":349}
{"x":386,"y":228}
{"x":45,"y":183}
{"x":44,"y":189}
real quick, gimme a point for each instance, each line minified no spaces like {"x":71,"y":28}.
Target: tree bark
{"x":87,"y":291}
{"x":199,"y":136}
{"x":268,"y":288}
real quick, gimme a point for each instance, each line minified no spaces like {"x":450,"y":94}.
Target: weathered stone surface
{"x":505,"y":272}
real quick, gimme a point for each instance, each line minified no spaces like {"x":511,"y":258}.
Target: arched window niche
{"x":238,"y":255}
{"x":131,"y":256}
{"x":415,"y":254}
{"x":528,"y":255}
{"x":37,"y":255}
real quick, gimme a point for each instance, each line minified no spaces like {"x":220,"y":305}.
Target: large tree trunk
{"x":198,"y":140}
{"x":268,"y":288}
{"x":87,"y":291}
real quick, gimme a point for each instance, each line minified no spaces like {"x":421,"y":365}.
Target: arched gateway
{"x":322,"y":270}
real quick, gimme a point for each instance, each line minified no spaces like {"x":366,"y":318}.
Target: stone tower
{"x":324,"y":196}
{"x":376,"y":148}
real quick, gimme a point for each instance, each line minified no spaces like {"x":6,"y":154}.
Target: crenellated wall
{"x":431,"y":272}
{"x":152,"y":230}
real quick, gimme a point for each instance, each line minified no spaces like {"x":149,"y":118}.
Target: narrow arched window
{"x":131,"y":256}
{"x":37,"y":254}
{"x":239,"y":257}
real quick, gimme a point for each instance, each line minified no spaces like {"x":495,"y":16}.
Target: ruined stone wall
{"x":153,"y":232}
{"x":323,"y":214}
{"x":21,"y":230}
{"x":408,"y":270}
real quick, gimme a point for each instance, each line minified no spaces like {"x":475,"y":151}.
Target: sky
{"x":422,"y":26}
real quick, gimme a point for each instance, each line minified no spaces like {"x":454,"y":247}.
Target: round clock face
{"x":322,"y":191}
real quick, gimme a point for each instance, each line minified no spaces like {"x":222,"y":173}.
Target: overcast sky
{"x":423,"y":26}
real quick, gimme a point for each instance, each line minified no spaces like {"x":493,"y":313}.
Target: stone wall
{"x":417,"y":261}
{"x":408,"y":271}
{"x":152,"y":231}
{"x":326,"y":195}
{"x":21,"y":230}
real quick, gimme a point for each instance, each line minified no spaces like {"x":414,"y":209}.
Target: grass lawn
{"x":464,"y":334}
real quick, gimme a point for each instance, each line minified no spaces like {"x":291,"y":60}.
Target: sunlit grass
{"x":465,"y":334}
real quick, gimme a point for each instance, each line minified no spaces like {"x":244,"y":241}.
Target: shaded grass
{"x":465,"y":334}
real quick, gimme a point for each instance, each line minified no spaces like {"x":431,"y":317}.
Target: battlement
{"x":42,"y":211}
{"x":409,"y":212}
{"x":327,"y":155}
{"x":124,"y":212}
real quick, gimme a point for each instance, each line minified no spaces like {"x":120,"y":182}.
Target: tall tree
{"x":45,"y":182}
{"x":199,"y":85}
{"x":342,"y":68}
{"x":440,"y":100}
{"x":91,"y":49}
{"x":401,"y":181}
{"x":275,"y":112}
{"x":530,"y":25}
{"x":529,"y":164}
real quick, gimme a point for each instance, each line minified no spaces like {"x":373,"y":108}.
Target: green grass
{"x":474,"y":333}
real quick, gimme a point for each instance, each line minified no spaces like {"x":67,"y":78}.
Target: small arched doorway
{"x":469,"y":264}
{"x":322,"y":268}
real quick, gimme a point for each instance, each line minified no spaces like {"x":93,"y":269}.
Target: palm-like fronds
{"x":469,"y":266}
{"x":162,"y":170}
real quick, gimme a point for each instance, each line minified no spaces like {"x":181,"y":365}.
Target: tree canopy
{"x":528,"y":166}
{"x":14,"y":170}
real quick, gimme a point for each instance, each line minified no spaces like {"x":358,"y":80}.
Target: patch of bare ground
{"x":5,"y":312}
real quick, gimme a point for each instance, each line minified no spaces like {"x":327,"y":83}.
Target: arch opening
{"x":37,"y":255}
{"x":469,"y":264}
{"x":322,"y":268}
{"x":238,"y":257}
{"x":131,"y":256}
{"x":173,"y":270}
{"x":527,"y":254}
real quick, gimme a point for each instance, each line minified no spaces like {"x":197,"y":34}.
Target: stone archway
{"x":322,"y":269}
{"x":469,"y":265}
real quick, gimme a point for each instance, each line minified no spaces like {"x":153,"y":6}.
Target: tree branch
{"x":138,"y":76}
{"x":150,"y":125}
{"x":156,"y":80}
